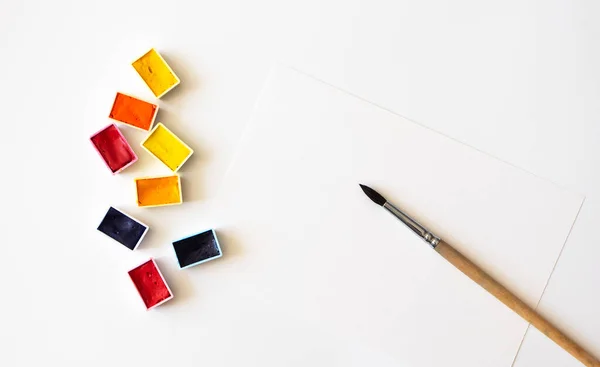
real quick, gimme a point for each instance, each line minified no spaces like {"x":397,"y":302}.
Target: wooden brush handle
{"x":505,"y":296}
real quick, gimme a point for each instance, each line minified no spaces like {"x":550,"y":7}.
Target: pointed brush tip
{"x":373,"y":195}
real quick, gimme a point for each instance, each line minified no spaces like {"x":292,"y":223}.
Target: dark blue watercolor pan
{"x":123,"y":228}
{"x":197,"y":249}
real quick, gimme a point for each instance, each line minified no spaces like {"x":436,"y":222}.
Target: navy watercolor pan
{"x":123,"y":228}
{"x":197,"y":249}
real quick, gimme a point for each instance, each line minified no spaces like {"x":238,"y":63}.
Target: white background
{"x":516,"y":79}
{"x":316,"y":250}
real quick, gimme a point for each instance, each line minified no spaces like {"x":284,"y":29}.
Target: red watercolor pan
{"x":150,"y":284}
{"x":113,"y":148}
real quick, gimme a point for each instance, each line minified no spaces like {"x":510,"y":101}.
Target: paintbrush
{"x":484,"y":280}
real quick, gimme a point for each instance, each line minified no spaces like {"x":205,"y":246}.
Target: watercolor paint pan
{"x":167,"y":147}
{"x":113,"y":148}
{"x":133,"y":111}
{"x":197,"y":249}
{"x":156,"y":73}
{"x":123,"y":228}
{"x":150,"y":284}
{"x":158,"y":191}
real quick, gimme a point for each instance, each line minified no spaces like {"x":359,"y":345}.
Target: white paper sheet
{"x":322,"y":276}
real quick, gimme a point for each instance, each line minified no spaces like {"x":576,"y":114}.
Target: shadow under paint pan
{"x":158,"y":191}
{"x":150,"y":284}
{"x":167,"y":147}
{"x":123,"y":228}
{"x":113,"y":148}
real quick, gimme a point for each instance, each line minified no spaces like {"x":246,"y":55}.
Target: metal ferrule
{"x":421,"y":231}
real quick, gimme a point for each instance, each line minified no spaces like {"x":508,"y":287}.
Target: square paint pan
{"x":113,"y":148}
{"x":156,"y":73}
{"x":150,"y":284}
{"x":134,"y":112}
{"x":158,"y":191}
{"x":123,"y":228}
{"x":197,"y":249}
{"x":167,"y":147}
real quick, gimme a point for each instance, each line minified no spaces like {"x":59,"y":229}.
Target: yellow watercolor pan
{"x":158,"y":191}
{"x":167,"y":147}
{"x":156,"y":73}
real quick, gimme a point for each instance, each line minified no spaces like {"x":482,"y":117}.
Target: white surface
{"x":517,"y":79}
{"x":571,"y":299}
{"x":317,"y":250}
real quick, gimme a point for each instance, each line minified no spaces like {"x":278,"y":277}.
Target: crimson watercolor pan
{"x":123,"y":228}
{"x":197,"y":249}
{"x":113,"y":148}
{"x":150,"y":284}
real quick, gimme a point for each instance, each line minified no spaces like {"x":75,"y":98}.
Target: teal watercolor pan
{"x":197,"y":249}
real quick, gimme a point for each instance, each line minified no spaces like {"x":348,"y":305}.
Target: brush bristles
{"x":373,"y":195}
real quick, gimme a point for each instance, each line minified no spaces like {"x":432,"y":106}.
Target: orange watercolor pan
{"x":133,"y":111}
{"x":158,"y":191}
